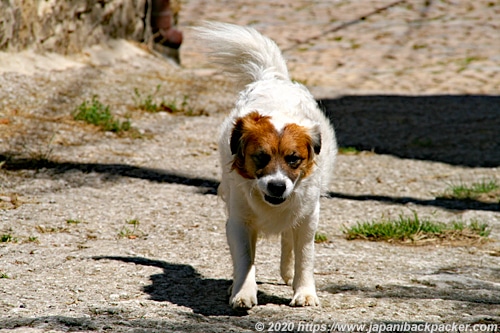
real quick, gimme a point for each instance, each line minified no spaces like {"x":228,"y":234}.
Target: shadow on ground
{"x":450,"y":204}
{"x":475,"y":290}
{"x":182,"y":285}
{"x":178,"y":284}
{"x":110,"y":172}
{"x":421,"y":292}
{"x":459,"y":130}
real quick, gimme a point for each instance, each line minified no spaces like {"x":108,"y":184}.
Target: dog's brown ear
{"x":241,"y":125}
{"x":237,"y":146}
{"x":235,"y":143}
{"x":316,"y":139}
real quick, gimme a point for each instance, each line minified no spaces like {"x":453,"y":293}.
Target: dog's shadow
{"x":182,"y":285}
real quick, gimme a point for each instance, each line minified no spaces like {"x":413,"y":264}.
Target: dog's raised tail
{"x":242,"y":52}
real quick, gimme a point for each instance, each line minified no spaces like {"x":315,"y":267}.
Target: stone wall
{"x":67,"y":26}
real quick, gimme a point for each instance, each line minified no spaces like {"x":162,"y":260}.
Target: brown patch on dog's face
{"x":261,"y":150}
{"x":297,"y":151}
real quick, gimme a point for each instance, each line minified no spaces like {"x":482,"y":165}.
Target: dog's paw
{"x":305,"y":298}
{"x":243,"y":300}
{"x":287,"y":278}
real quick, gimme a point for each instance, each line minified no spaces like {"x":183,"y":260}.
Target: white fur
{"x":257,"y":63}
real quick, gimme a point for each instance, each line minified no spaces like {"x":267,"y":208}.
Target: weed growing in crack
{"x":320,"y":237}
{"x":147,"y":103}
{"x":33,"y":239}
{"x":125,"y":232}
{"x":150,"y":103}
{"x":95,"y":113}
{"x":5,"y":238}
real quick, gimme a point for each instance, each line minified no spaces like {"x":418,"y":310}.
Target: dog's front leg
{"x":286,"y":265}
{"x":303,"y":282}
{"x":242,"y":241}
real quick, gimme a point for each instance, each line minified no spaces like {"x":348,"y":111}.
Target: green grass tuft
{"x":320,"y":238}
{"x":95,"y":113}
{"x":413,"y":229}
{"x":482,"y":229}
{"x":147,"y":103}
{"x":5,"y":238}
{"x":403,"y":228}
{"x":473,"y":191}
{"x":33,"y":239}
{"x":151,"y":104}
{"x":348,"y":151}
{"x":131,"y":234}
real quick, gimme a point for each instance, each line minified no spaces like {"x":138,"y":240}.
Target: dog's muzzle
{"x":275,"y":189}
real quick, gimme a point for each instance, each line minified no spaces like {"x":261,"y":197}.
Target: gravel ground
{"x":124,"y":233}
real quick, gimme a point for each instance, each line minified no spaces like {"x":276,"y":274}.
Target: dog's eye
{"x":261,"y":160}
{"x":293,"y":160}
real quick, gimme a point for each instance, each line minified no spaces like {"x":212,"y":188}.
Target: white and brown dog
{"x":277,"y":151}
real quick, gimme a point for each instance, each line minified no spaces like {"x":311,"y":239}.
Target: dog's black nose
{"x":276,"y":188}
